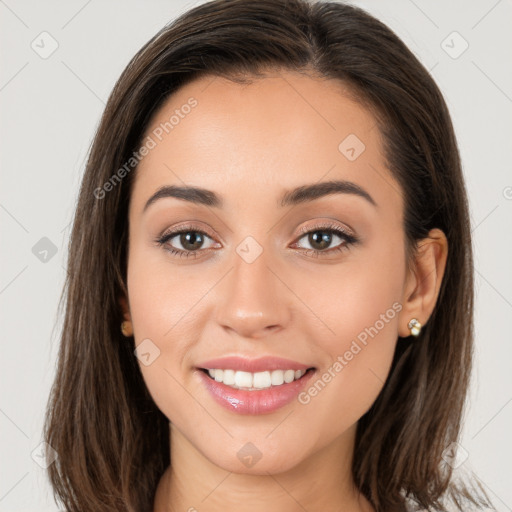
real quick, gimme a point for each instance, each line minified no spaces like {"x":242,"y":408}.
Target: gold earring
{"x":126,"y":328}
{"x":414,"y":326}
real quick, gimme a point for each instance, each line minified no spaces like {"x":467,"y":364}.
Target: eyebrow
{"x":324,"y":188}
{"x":304,"y":193}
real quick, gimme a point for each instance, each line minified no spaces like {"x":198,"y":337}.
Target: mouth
{"x":261,"y":391}
{"x":255,"y":381}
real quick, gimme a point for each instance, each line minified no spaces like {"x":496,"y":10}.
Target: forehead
{"x":258,"y":139}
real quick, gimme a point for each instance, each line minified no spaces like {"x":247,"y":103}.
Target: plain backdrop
{"x":59,"y":62}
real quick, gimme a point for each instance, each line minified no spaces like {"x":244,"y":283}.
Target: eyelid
{"x":327,"y":225}
{"x":349,"y":238}
{"x":186,"y":226}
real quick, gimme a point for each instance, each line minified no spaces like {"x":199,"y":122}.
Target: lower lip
{"x":263,"y":401}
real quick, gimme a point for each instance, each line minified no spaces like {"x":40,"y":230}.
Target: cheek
{"x":359,"y":359}
{"x":359,"y":295}
{"x":345,"y":389}
{"x":162,"y":299}
{"x":359,"y":306}
{"x":163,"y":295}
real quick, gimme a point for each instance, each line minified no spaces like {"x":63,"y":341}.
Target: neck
{"x":324,"y":479}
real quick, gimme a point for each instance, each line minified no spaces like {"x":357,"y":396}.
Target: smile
{"x":254,"y":381}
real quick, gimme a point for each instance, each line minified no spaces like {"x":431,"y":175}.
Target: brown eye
{"x":191,"y":240}
{"x":320,"y":240}
{"x":185,"y":242}
{"x":325,"y":240}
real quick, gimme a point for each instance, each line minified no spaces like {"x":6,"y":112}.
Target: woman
{"x":270,"y":286}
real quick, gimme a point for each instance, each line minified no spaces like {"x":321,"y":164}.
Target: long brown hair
{"x":112,"y":441}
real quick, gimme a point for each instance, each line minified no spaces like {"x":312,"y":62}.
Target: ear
{"x":424,"y":280}
{"x":125,"y":308}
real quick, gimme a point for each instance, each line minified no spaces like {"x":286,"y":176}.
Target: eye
{"x":189,"y":240}
{"x":322,"y":237}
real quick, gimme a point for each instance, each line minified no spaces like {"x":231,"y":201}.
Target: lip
{"x":261,"y":364}
{"x":259,"y":402}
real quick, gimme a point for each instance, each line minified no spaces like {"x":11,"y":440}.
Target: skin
{"x":250,"y":143}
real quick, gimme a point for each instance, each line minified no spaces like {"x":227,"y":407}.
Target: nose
{"x":253,"y":301}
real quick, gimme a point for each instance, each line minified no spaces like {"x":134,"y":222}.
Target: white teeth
{"x":228,"y":377}
{"x":242,"y":379}
{"x":277,"y":377}
{"x":261,"y":380}
{"x":289,"y":376}
{"x":253,"y":381}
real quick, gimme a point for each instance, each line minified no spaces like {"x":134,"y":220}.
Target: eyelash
{"x":326,"y":228}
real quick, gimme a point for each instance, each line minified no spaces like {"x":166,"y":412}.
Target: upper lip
{"x":261,"y":364}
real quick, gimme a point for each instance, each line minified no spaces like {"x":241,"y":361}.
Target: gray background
{"x":50,"y":108}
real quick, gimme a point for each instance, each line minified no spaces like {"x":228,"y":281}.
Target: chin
{"x":273,"y":463}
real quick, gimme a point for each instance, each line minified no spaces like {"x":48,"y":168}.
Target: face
{"x":315,"y":278}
